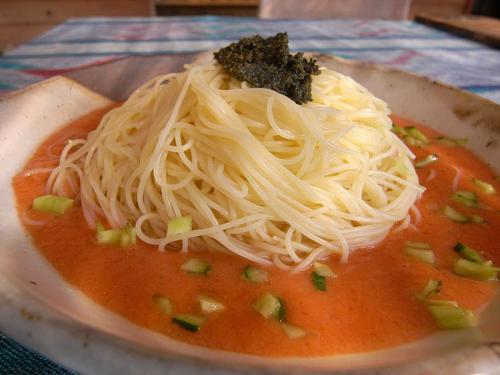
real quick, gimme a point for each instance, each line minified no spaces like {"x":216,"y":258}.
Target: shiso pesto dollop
{"x":267,"y":63}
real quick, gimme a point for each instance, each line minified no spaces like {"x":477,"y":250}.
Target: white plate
{"x":39,"y":309}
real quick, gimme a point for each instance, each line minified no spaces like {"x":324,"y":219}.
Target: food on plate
{"x":201,"y":160}
{"x":263,"y":204}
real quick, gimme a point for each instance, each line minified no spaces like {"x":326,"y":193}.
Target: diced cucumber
{"x":426,"y":161}
{"x":423,"y":255}
{"x":478,"y":219}
{"x":292,"y":331}
{"x":281,"y":311}
{"x":451,"y":141}
{"x":484,"y":186}
{"x":467,"y":268}
{"x":116,"y":237}
{"x":189,"y":322}
{"x":163,"y":303}
{"x":99,"y":227}
{"x":196,"y":266}
{"x":410,"y":141}
{"x":418,"y":245}
{"x":451,"y":317}
{"x":255,"y":274}
{"x":318,"y":281}
{"x":52,"y":204}
{"x":270,"y":307}
{"x":440,"y":302}
{"x":210,"y":305}
{"x":179,"y":225}
{"x":432,"y":288}
{"x":128,"y":236}
{"x":109,"y":237}
{"x":455,"y":215}
{"x":323,"y":270}
{"x":467,"y":198}
{"x":398,"y":130}
{"x":416,"y":136}
{"x":466,"y":252}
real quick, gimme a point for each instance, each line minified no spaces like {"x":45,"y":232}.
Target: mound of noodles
{"x":261,"y":176}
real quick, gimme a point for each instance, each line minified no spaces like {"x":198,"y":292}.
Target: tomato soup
{"x":370,"y":305}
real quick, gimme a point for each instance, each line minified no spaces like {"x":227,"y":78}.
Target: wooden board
{"x":45,"y":11}
{"x":439,"y":7}
{"x":22,"y":20}
{"x":211,"y":3}
{"x":482,"y":29}
{"x":14,"y":34}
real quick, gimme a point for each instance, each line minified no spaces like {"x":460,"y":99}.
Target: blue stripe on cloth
{"x":16,"y":359}
{"x":16,"y":65}
{"x":4,"y":86}
{"x":169,"y":52}
{"x":482,"y":88}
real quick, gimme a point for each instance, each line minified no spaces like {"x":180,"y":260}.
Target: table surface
{"x":402,"y":44}
{"x":84,"y":42}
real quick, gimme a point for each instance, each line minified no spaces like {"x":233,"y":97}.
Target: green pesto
{"x":267,"y":63}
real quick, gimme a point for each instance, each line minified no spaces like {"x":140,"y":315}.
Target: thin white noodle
{"x":431,"y":176}
{"x":413,"y":227}
{"x":456,"y":179}
{"x":404,"y":225}
{"x":33,"y":171}
{"x":416,"y":212}
{"x":261,"y":176}
{"x":27,"y":220}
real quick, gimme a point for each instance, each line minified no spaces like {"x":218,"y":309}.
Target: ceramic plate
{"x":40,"y":310}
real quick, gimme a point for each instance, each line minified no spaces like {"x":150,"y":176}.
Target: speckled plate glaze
{"x":40,"y":310}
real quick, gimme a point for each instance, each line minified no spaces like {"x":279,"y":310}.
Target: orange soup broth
{"x":370,"y":305}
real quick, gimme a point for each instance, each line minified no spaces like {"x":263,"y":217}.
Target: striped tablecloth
{"x":403,"y":44}
{"x":83,"y":42}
